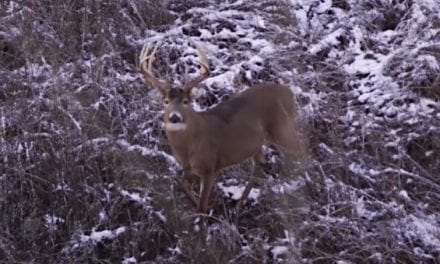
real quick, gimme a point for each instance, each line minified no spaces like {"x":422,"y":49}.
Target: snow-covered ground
{"x":87,"y":175}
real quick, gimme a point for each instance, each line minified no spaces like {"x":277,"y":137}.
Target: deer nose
{"x":175,"y":118}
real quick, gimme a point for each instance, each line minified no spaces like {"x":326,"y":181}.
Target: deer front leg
{"x":186,"y":186}
{"x":206,"y":184}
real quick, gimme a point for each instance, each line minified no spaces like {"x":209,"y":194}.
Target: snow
{"x":161,"y":216}
{"x":324,"y":6}
{"x":98,"y":236}
{"x":362,"y":211}
{"x":368,"y":63}
{"x":329,"y":40}
{"x":377,"y":257}
{"x":431,"y":61}
{"x":404,"y":195}
{"x":136,"y":197}
{"x":102,"y":216}
{"x":146,"y":151}
{"x":235,"y":192}
{"x":423,"y":228}
{"x":278,"y":251}
{"x":371,"y":177}
{"x":95,"y":142}
{"x":360,"y":171}
{"x":130,"y":260}
{"x":344,"y":262}
{"x":289,"y":186}
{"x":52,"y":222}
{"x":264,"y":47}
{"x":62,"y":186}
{"x":226,"y":34}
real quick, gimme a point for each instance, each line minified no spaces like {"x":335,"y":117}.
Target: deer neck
{"x":181,"y":140}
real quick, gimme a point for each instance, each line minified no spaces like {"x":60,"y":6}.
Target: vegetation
{"x":87,"y":176}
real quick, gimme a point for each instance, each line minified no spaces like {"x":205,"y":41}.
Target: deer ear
{"x":196,"y":93}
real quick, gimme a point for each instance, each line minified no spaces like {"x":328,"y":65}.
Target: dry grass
{"x":65,"y":119}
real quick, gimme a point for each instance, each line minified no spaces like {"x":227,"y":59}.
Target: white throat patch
{"x":175,"y":126}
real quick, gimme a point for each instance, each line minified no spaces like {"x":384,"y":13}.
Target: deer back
{"x":236,"y":129}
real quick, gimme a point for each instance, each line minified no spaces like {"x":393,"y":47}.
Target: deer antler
{"x":204,"y":71}
{"x":145,"y":65}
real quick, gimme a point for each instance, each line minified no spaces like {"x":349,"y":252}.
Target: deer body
{"x":205,"y":142}
{"x":234,"y":130}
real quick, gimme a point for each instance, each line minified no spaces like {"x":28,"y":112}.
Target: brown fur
{"x":231,"y":132}
{"x":205,"y":142}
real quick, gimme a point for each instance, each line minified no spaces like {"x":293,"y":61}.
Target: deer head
{"x":177,"y":101}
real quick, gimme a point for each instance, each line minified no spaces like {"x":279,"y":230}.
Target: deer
{"x":235,"y":130}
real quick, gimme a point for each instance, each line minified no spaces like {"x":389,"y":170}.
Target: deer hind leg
{"x":293,"y":145}
{"x":258,"y":159}
{"x":186,"y":186}
{"x":286,"y":135}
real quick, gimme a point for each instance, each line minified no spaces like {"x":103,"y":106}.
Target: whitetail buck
{"x":229,"y":133}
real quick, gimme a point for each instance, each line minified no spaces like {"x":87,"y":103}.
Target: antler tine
{"x":143,"y":56}
{"x":203,"y":58}
{"x":204,"y":71}
{"x":146,"y":64}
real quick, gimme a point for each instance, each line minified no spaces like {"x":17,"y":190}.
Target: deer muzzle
{"x":175,"y":118}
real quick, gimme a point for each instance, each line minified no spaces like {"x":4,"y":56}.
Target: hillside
{"x":87,"y":175}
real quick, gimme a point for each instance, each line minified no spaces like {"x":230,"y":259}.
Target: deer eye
{"x":166,"y":101}
{"x":185,"y":101}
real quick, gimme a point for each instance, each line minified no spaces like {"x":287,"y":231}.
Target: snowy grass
{"x":87,"y":176}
